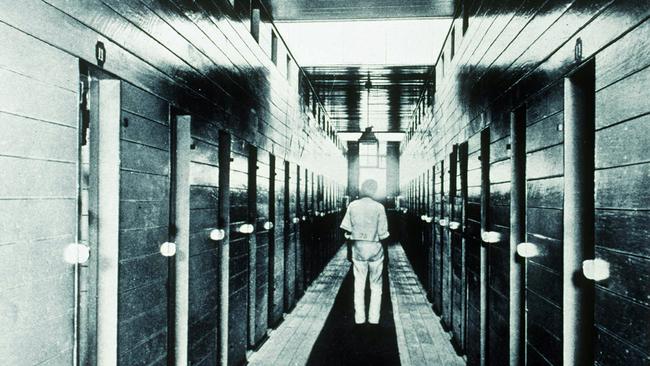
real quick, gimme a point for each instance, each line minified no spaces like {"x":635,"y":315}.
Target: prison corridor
{"x":321,"y":329}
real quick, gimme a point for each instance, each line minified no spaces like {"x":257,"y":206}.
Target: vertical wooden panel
{"x":459,"y":253}
{"x":224,"y":249}
{"x":544,"y":200}
{"x":204,"y":257}
{"x":107,"y":183}
{"x":277,"y":308}
{"x":578,"y":220}
{"x":300,"y":285}
{"x":438,"y":237}
{"x":144,"y":297}
{"x":498,"y":256}
{"x":239,"y":253}
{"x":473,"y":250}
{"x":251,"y":198}
{"x":448,"y":201}
{"x":263,"y":234}
{"x":517,"y":235}
{"x":290,"y":236}
{"x":181,"y":222}
{"x":272,"y":243}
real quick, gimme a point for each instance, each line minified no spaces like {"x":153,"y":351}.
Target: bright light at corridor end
{"x":367,"y":42}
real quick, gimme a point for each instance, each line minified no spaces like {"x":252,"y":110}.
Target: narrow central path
{"x":321,"y":329}
{"x":292,"y":342}
{"x":344,"y":343}
{"x":421,"y":339}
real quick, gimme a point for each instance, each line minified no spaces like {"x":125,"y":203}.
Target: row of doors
{"x":182,"y":219}
{"x":502,"y":302}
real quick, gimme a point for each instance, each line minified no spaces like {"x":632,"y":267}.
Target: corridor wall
{"x":166,"y":59}
{"x":514,"y":65}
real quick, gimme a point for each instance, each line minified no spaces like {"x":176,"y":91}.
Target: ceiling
{"x":320,"y":10}
{"x":393,"y":96}
{"x":386,"y":42}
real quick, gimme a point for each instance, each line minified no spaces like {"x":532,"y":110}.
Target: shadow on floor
{"x":341,"y":342}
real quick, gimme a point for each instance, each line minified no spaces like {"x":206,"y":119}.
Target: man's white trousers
{"x":362,"y":269}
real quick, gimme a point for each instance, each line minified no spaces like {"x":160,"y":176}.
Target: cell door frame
{"x":98,"y":345}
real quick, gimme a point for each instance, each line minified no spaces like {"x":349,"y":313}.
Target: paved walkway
{"x":415,"y":328}
{"x":292,"y":342}
{"x":420,"y":337}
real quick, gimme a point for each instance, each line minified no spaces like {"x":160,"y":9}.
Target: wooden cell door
{"x":473,"y":247}
{"x":146,"y":317}
{"x":263,"y":232}
{"x":458,"y":251}
{"x":205,"y":257}
{"x":498,"y":255}
{"x":239,"y":250}
{"x":289,"y":236}
{"x":544,"y":215}
{"x":449,"y":194}
{"x":276,"y":257}
{"x":438,"y":237}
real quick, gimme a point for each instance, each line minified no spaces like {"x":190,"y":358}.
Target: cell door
{"x":204,"y":259}
{"x":430,"y":232}
{"x":263,"y":233}
{"x":239,"y":248}
{"x":290,"y":234}
{"x":473,"y":247}
{"x":498,"y":256}
{"x":298,"y":242}
{"x":438,"y":237}
{"x":276,"y":306}
{"x":304,"y":227}
{"x":145,"y":224}
{"x":449,"y":193}
{"x":458,"y":251}
{"x":544,"y":226}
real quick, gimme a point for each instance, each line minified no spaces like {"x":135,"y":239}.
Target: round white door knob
{"x":168,"y":249}
{"x":595,"y":269}
{"x":295,"y":220}
{"x":217,"y":234}
{"x":268,"y":225}
{"x":246,"y":228}
{"x":76,"y":253}
{"x":454,"y":225}
{"x":491,"y":236}
{"x":527,"y":250}
{"x":443,"y":222}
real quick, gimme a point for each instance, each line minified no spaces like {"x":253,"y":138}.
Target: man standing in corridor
{"x":366,"y":225}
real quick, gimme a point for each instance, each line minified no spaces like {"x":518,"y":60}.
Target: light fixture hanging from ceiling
{"x":368,"y":137}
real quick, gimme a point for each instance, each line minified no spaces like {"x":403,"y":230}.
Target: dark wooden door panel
{"x":438,"y":237}
{"x":473,"y":250}
{"x":262,"y":234}
{"x":277,"y":305}
{"x":544,"y":202}
{"x":238,"y":324}
{"x":459,"y":252}
{"x":204,"y":258}
{"x":449,"y":194}
{"x":498,"y":259}
{"x":143,"y":314}
{"x":290,"y":236}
